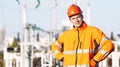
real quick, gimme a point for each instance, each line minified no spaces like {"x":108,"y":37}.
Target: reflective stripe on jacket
{"x":84,"y":42}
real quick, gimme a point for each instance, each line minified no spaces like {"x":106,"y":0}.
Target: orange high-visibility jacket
{"x":79,"y":46}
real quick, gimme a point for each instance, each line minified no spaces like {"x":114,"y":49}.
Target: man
{"x":83,"y":45}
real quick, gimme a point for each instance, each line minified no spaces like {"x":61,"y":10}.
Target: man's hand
{"x":62,"y":59}
{"x":93,"y":63}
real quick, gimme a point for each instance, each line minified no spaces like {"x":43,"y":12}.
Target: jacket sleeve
{"x":57,"y":48}
{"x":105,"y":46}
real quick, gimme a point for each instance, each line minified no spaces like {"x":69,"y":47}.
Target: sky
{"x":104,"y":14}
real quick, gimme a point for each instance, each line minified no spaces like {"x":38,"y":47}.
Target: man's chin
{"x":77,"y":26}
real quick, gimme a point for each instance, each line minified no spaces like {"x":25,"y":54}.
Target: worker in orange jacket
{"x":83,"y":45}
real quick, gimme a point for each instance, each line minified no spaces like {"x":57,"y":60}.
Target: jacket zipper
{"x":77,"y":49}
{"x":79,"y":43}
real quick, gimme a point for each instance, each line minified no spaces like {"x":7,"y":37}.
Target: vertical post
{"x":32,"y":48}
{"x":53,"y":15}
{"x":24,"y":48}
{"x":88,"y":14}
{"x":77,"y":2}
{"x":24,"y":25}
{"x":115,"y":55}
{"x":115,"y":59}
{"x":24,"y":6}
{"x":53,"y":21}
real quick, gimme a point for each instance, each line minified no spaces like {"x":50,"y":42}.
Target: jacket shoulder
{"x":93,"y":28}
{"x":68,"y":32}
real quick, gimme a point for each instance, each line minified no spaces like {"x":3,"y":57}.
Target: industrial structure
{"x":35,"y":51}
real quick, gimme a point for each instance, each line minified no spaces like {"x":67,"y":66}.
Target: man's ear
{"x":82,"y":16}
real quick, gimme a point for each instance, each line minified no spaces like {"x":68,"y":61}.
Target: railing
{"x":50,"y":61}
{"x":113,"y":60}
{"x":47,"y":62}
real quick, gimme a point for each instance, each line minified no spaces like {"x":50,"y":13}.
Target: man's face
{"x":76,"y":20}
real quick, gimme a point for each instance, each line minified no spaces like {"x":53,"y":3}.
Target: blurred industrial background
{"x":28,"y":27}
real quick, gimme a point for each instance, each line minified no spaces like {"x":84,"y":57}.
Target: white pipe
{"x":88,"y":14}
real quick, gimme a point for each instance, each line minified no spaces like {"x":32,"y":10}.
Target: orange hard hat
{"x":73,"y":10}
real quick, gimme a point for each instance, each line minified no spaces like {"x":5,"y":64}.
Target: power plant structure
{"x":35,"y":51}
